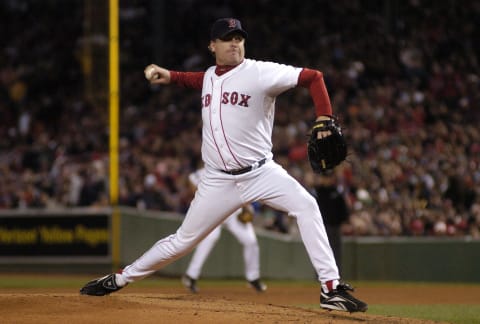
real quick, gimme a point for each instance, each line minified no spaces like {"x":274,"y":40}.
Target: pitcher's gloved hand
{"x":327,"y":152}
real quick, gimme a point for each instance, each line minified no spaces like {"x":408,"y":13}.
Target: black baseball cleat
{"x":190,"y":283}
{"x":258,"y":285}
{"x":339,"y":299}
{"x":101,"y":286}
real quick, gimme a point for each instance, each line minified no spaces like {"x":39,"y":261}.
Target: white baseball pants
{"x":219,"y":195}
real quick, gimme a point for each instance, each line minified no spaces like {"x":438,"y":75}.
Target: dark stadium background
{"x":403,"y":78}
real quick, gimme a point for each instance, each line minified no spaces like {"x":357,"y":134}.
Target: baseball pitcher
{"x":237,"y":105}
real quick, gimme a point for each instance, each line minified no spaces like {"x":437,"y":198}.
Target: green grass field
{"x":465,"y":314}
{"x":445,"y":313}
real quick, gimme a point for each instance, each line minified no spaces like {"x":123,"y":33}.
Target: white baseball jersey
{"x":243,"y":96}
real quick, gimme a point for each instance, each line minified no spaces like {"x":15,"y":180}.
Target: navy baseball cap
{"x":224,"y":26}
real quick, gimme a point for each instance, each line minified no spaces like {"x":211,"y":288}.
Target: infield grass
{"x":459,"y":314}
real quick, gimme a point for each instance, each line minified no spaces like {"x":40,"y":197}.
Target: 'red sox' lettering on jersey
{"x":233,"y":98}
{"x":206,"y":100}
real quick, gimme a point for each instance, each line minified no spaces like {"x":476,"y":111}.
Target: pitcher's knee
{"x":181,"y":244}
{"x":307,"y":211}
{"x":307,"y":206}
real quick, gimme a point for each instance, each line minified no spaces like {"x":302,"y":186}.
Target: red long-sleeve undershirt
{"x":311,"y":79}
{"x":193,"y":80}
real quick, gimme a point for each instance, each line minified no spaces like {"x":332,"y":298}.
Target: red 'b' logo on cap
{"x":232,"y":23}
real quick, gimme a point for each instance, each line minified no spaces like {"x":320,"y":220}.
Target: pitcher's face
{"x":230,"y":50}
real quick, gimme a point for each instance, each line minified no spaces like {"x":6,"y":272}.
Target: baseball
{"x":150,"y":73}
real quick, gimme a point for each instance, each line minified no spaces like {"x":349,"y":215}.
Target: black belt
{"x":254,"y":166}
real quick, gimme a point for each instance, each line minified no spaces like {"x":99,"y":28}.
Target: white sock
{"x":119,"y":280}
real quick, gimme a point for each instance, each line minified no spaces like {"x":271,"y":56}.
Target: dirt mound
{"x":143,"y":306}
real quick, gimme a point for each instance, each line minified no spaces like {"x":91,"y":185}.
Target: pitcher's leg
{"x":276,"y":188}
{"x":314,"y":236}
{"x":202,"y":251}
{"x":205,"y":213}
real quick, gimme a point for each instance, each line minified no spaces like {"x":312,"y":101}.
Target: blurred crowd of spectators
{"x":403,"y":78}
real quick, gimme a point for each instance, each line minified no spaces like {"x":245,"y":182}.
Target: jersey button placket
{"x":217,"y":122}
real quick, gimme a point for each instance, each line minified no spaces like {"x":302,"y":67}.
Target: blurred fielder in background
{"x":240,"y":225}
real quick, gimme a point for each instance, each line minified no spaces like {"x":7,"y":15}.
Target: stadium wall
{"x":80,"y":240}
{"x":283,"y":257}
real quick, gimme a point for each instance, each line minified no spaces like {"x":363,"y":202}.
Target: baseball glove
{"x":245,"y":216}
{"x":326,"y":153}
